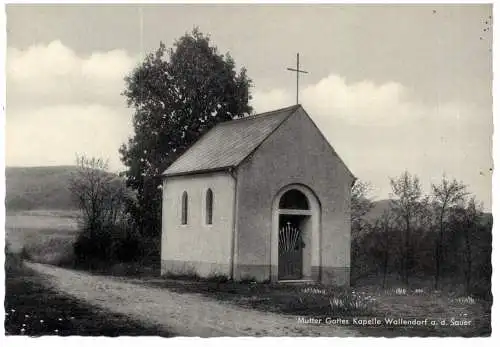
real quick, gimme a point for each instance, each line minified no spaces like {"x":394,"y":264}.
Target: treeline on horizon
{"x":441,"y":240}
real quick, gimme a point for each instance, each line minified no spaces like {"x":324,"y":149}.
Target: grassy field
{"x":44,"y":236}
{"x":367,"y":309}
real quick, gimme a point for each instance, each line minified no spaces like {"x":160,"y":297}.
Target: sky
{"x":392,"y":87}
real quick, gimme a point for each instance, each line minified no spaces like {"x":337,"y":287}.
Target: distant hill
{"x":46,"y":188}
{"x":38,"y":188}
{"x":379,"y":206}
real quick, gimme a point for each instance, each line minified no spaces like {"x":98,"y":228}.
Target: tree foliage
{"x":360,"y":205}
{"x":178,"y":94}
{"x":445,"y":195}
{"x":99,"y":194}
{"x":390,"y":250}
{"x":101,"y":197}
{"x":472,"y":240}
{"x":406,"y":205}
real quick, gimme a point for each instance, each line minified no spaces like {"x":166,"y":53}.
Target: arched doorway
{"x":295,"y":236}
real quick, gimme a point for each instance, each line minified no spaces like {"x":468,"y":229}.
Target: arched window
{"x":209,"y":206}
{"x":184,"y":212}
{"x":294,"y":200}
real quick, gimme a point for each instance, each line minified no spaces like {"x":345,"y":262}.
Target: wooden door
{"x":290,"y":252}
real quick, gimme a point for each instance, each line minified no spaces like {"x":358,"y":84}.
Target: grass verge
{"x":367,"y":310}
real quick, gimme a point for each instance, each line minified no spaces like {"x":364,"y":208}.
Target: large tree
{"x":471,"y":229}
{"x":406,"y":206}
{"x":446,"y":195}
{"x":178,"y":94}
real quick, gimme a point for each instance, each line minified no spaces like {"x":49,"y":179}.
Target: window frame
{"x":184,"y":208}
{"x":208,"y":210}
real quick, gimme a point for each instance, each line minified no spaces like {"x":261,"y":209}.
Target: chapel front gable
{"x":296,"y":151}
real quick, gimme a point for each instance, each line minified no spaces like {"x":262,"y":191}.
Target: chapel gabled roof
{"x":227,"y":144}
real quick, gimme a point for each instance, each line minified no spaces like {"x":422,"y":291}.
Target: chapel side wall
{"x":296,"y":153}
{"x":204,"y":249}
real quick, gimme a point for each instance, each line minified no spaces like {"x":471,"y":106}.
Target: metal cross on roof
{"x":298,"y":71}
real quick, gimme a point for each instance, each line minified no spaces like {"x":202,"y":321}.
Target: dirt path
{"x":182,"y":314}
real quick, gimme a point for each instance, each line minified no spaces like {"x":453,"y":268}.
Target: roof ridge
{"x":294,"y":108}
{"x":259,"y":115}
{"x":254,"y":132}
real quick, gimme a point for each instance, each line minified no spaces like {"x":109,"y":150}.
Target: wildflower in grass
{"x":26,"y":316}
{"x":357,"y":304}
{"x":335,"y":302}
{"x":23,"y":330}
{"x":60,"y":319}
{"x":12,"y":310}
{"x":400,"y":291}
{"x":41,"y":320}
{"x":466,"y":300}
{"x":352,"y":302}
{"x":56,"y":331}
{"x":24,"y":324}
